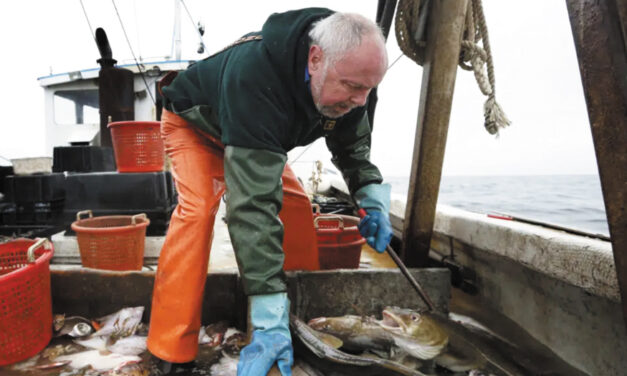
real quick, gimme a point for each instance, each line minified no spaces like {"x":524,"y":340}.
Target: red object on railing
{"x":500,"y":216}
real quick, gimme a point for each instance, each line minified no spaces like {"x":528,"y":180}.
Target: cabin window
{"x":76,"y":107}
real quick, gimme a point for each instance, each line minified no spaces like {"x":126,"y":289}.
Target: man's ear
{"x":314,"y":60}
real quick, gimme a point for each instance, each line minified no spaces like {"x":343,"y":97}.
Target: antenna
{"x":176,"y":36}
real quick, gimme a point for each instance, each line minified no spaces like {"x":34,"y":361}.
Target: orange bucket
{"x":25,"y":300}
{"x":137,"y":146}
{"x":339,"y":241}
{"x":111,"y":242}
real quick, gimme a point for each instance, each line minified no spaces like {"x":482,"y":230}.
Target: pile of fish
{"x":403,"y":342}
{"x":115,"y":345}
{"x":407,"y":342}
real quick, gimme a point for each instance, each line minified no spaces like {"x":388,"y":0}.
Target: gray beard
{"x":327,"y":111}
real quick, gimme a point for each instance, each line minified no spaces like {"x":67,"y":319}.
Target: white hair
{"x":341,"y":32}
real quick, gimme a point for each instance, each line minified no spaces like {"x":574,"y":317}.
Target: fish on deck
{"x":326,"y":355}
{"x":425,"y":336}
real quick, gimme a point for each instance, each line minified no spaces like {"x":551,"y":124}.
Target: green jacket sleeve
{"x":350,"y":149}
{"x":253,"y":201}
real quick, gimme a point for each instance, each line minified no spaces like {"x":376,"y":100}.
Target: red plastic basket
{"x":111,"y":242}
{"x":25,"y":301}
{"x":339,"y":241}
{"x":137,"y":145}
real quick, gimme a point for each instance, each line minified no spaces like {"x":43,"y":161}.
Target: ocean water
{"x":573,"y":201}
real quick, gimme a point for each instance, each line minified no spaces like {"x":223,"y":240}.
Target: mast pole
{"x":177,"y":30}
{"x":444,"y":35}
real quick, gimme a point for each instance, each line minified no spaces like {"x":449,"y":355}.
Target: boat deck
{"x":366,"y":290}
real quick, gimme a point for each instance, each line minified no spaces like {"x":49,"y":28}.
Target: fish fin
{"x":419,"y":350}
{"x":328,"y":339}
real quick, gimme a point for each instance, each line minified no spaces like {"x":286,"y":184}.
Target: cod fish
{"x":319,"y":347}
{"x":418,"y":335}
{"x":422,"y":335}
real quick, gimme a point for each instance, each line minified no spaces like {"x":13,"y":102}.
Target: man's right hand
{"x":376,"y":228}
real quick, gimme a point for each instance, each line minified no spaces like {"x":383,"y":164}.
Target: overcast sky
{"x":537,"y":78}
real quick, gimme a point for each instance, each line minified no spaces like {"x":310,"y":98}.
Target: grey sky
{"x":537,"y":78}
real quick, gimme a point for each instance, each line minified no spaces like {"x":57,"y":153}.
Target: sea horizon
{"x":567,"y":200}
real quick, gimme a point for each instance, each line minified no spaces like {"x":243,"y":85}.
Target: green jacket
{"x":254,"y":97}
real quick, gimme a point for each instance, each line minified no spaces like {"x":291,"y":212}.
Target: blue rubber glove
{"x":377,"y":230}
{"x":271,"y":341}
{"x":375,"y":227}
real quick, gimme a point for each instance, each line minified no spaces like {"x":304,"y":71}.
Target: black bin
{"x":112,"y":193}
{"x":83,"y":158}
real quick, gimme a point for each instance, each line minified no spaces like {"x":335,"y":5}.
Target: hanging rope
{"x":477,"y":31}
{"x":411,"y":18}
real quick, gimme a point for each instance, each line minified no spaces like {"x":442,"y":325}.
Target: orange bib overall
{"x":197,"y":167}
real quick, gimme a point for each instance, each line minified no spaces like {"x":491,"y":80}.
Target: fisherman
{"x":228,"y":123}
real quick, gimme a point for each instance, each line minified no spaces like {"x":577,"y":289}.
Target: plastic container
{"x":27,"y":166}
{"x":35,"y":188}
{"x":39,"y":213}
{"x":137,"y":146}
{"x":25,"y":300}
{"x":83,"y":158}
{"x":114,"y":191}
{"x":4,"y":172}
{"x":339,"y":241}
{"x":111,"y":242}
{"x":159,"y":218}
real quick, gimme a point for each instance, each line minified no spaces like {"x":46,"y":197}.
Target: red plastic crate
{"x":25,"y":300}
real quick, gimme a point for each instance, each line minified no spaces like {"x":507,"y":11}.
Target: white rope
{"x":478,"y":56}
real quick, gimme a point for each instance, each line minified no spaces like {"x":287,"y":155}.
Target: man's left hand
{"x":263,"y":351}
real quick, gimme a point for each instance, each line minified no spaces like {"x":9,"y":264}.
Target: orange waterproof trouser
{"x":197,"y":167}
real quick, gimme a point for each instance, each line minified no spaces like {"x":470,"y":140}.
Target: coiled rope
{"x":472,"y":57}
{"x":407,"y":16}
